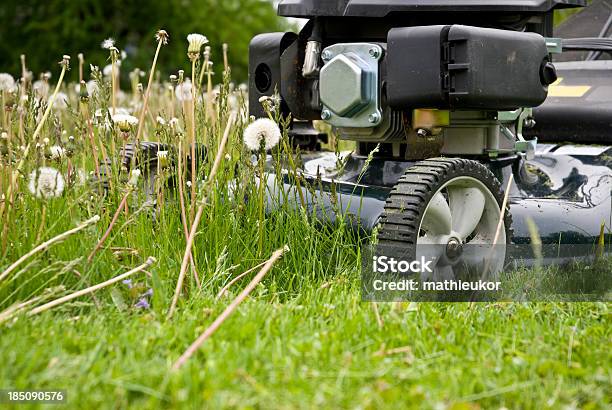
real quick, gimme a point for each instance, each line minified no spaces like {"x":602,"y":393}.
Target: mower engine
{"x":444,"y":86}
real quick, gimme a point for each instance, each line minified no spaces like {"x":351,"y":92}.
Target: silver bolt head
{"x":373,"y":118}
{"x":422,"y":133}
{"x":325,"y":115}
{"x":326,"y":55}
{"x":374,"y":52}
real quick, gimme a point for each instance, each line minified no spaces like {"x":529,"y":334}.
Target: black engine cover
{"x":464,"y":67}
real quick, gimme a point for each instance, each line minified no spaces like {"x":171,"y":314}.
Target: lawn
{"x":302,"y":339}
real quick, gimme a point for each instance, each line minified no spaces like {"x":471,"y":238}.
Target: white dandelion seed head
{"x":160,"y":120}
{"x":61,"y":101}
{"x":57,"y":152}
{"x":91,"y":86}
{"x":101,"y":116}
{"x":46,"y":182}
{"x":262,"y":131}
{"x":81,"y":177}
{"x":175,"y":124}
{"x":125,"y":122}
{"x":7,"y":83}
{"x":41,"y":88}
{"x":108,"y":43}
{"x":134,"y":175}
{"x":108,"y":69}
{"x":183,"y":91}
{"x":196,"y":41}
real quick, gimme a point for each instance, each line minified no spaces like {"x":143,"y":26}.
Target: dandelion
{"x":270,"y":104}
{"x":108,"y":43}
{"x":162,"y":159}
{"x":263,"y":132}
{"x":91,"y":86}
{"x":7,"y":83}
{"x":61,"y":101}
{"x":41,"y":88}
{"x":57,"y":152}
{"x":183,"y":91}
{"x":196,"y":41}
{"x":160,"y":120}
{"x":125,"y":122}
{"x":162,"y":36}
{"x":81,"y":177}
{"x":108,"y":69}
{"x":65,"y":62}
{"x":175,"y":124}
{"x":134,"y":176}
{"x":46,"y":182}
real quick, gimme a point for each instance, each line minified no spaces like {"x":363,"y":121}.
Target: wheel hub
{"x":454,"y":249}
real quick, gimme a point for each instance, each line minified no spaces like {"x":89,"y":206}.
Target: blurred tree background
{"x":44,"y":30}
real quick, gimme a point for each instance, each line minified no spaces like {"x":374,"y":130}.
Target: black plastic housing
{"x":464,"y":67}
{"x":382,"y":8}
{"x":265,"y":75}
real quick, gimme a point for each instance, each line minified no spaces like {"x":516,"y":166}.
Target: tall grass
{"x":234,"y":234}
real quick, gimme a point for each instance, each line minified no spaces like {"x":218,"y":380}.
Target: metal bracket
{"x":518,"y":117}
{"x":554,"y":45}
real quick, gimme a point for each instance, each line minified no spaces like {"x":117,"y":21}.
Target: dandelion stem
{"x":198,"y":215}
{"x":147,"y":94}
{"x":151,"y":260}
{"x":81,"y":62}
{"x":204,"y":68}
{"x":295,"y":173}
{"x":45,"y":245}
{"x":113,"y":83}
{"x":183,"y":212}
{"x":262,"y":190}
{"x":225,"y":59}
{"x":193,"y":138}
{"x":229,"y":310}
{"x":236,"y":279}
{"x":3,"y":112}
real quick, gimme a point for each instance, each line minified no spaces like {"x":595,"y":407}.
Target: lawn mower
{"x":445,"y":101}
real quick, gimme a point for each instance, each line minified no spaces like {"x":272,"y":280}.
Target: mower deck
{"x":567,"y":194}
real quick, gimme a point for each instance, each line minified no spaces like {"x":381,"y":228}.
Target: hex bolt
{"x":529,"y":123}
{"x":374,"y":52}
{"x":326,"y":55}
{"x":421,"y":132}
{"x":325,"y":115}
{"x":373,"y":118}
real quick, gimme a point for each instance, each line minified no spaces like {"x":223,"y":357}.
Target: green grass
{"x":303,"y":338}
{"x":323,"y":347}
